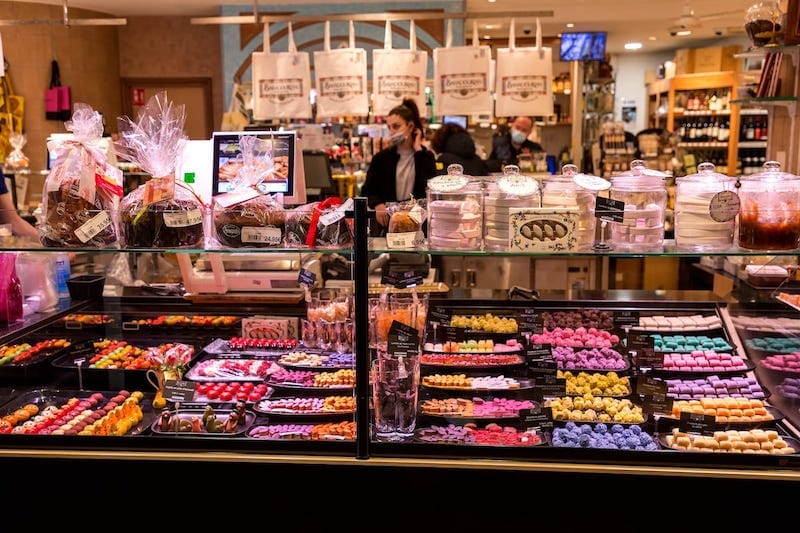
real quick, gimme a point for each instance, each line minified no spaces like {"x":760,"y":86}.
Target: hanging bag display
{"x":57,"y":97}
{"x":522,"y":78}
{"x":461,"y":77}
{"x":341,"y":78}
{"x":281,"y":82}
{"x":398,"y":73}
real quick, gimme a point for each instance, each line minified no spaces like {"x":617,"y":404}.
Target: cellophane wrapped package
{"x":82,"y":191}
{"x":161,"y":213}
{"x":246,"y":215}
{"x":320,"y":224}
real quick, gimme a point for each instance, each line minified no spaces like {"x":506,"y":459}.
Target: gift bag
{"x":522,"y":78}
{"x":281,"y":82}
{"x":461,"y":77}
{"x":341,"y":79}
{"x":398,"y":74}
{"x":57,"y":98}
{"x":236,"y":118}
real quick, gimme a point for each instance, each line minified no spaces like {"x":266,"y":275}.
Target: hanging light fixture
{"x":65,"y":20}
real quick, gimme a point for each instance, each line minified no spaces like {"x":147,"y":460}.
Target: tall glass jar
{"x":455,"y":211}
{"x":769,"y":214}
{"x":705,"y":210}
{"x":644,"y":193}
{"x":509,"y":191}
{"x":566,"y":191}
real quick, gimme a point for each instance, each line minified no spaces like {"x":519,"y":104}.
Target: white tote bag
{"x":523,"y":78}
{"x":461,"y":77}
{"x":398,"y":73}
{"x":281,"y":82}
{"x":341,"y":78}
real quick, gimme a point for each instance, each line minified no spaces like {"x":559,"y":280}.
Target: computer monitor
{"x":318,"y":174}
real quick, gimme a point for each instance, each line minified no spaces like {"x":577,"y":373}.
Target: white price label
{"x":593,"y":183}
{"x":182,"y":219}
{"x":331,"y":218}
{"x":256,"y":235}
{"x":404,"y":240}
{"x":447,"y":183}
{"x":86,"y":231}
{"x":518,"y":185}
{"x":724,"y":206}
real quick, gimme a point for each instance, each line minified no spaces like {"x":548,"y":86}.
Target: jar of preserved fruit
{"x":706,"y":206}
{"x":644,"y":193}
{"x":769,"y":214}
{"x":509,"y":191}
{"x":455,"y":211}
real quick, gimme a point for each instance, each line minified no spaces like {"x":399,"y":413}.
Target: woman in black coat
{"x":402,"y":170}
{"x":455,"y":145}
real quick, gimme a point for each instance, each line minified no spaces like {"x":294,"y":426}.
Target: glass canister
{"x":455,"y":207}
{"x":571,"y":190}
{"x":644,"y":193}
{"x":769,"y":214}
{"x":509,"y":191}
{"x":706,"y":206}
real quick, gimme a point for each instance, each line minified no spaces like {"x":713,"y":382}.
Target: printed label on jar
{"x":89,"y":229}
{"x":268,"y":235}
{"x":724,"y":206}
{"x":447,"y":183}
{"x":593,"y":183}
{"x":182,"y":219}
{"x":518,"y":185}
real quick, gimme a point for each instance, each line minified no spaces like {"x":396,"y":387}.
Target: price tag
{"x":328,"y":219}
{"x":179,"y":391}
{"x":158,"y":189}
{"x":529,"y":321}
{"x":403,"y":340}
{"x":447,"y":183}
{"x":656,"y":403}
{"x":517,"y":185}
{"x":454,"y":334}
{"x":182,"y":219}
{"x":625,"y":318}
{"x":608,"y":209}
{"x":550,"y":385}
{"x":646,"y":385}
{"x":440,"y":315}
{"x":257,"y":235}
{"x":89,"y":229}
{"x":593,"y":183}
{"x":402,"y":280}
{"x":536,"y":418}
{"x":649,"y":358}
{"x":540,"y":351}
{"x":306,"y":278}
{"x":404,"y":240}
{"x":400,"y":329}
{"x":724,"y":206}
{"x":697,"y":423}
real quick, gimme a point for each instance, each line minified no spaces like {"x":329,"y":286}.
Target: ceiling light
{"x":487,"y":36}
{"x":489,"y":26}
{"x":633,"y":46}
{"x":570,"y":25}
{"x":652,"y":38}
{"x":492,"y":1}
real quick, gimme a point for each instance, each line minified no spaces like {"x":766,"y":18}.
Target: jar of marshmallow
{"x":509,"y":191}
{"x":706,"y":205}
{"x":572,"y":190}
{"x":644,"y":193}
{"x":455,"y":211}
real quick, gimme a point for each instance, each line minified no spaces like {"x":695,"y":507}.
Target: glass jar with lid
{"x":509,"y":191}
{"x":762,"y":22}
{"x":572,"y":190}
{"x":706,"y":206}
{"x":644,"y":193}
{"x":769,"y":214}
{"x":455,"y":211}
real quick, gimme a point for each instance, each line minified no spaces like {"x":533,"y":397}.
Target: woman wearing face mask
{"x":507,"y":148}
{"x":403,"y":169}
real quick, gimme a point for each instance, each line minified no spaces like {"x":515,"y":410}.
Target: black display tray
{"x":323,"y":366}
{"x":45,"y":397}
{"x":286,"y":413}
{"x":188,"y":414}
{"x":524,"y":384}
{"x":289,"y":435}
{"x":230,"y":367}
{"x":662,"y":440}
{"x":34,"y":368}
{"x":666,"y":374}
{"x":668,"y":422}
{"x":470,"y":367}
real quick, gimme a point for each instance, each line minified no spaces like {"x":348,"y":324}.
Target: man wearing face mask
{"x":403,"y":169}
{"x":507,"y":148}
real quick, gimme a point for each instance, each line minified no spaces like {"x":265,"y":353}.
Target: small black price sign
{"x":529,"y":321}
{"x":697,"y":423}
{"x":179,"y":391}
{"x":637,"y":341}
{"x":623,"y":319}
{"x":540,"y":418}
{"x":550,"y":385}
{"x":539,"y":351}
{"x":656,"y":403}
{"x":402,"y":340}
{"x":648,"y":385}
{"x":398,"y":328}
{"x":402,"y":280}
{"x":306,"y":278}
{"x":439,"y":315}
{"x":649,"y":358}
{"x":609,"y":209}
{"x":454,"y":334}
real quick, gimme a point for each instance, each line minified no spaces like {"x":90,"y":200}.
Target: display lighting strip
{"x":368,"y":17}
{"x":65,"y":20}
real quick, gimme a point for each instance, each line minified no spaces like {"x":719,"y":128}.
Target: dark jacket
{"x":504,"y":153}
{"x":459,"y":148}
{"x":380,"y":184}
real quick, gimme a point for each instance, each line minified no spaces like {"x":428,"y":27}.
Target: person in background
{"x":9,"y":215}
{"x":454,"y":145}
{"x":507,"y":148}
{"x":403,"y":169}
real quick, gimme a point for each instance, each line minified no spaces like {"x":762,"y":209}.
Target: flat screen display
{"x":227,"y":160}
{"x":582,"y":46}
{"x":461,"y":120}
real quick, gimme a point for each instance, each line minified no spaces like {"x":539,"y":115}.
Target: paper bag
{"x":461,"y":77}
{"x":398,"y":74}
{"x":523,"y":78}
{"x":341,"y":79}
{"x":281,"y":82}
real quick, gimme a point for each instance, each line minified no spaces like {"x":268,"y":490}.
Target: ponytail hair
{"x":409,"y":112}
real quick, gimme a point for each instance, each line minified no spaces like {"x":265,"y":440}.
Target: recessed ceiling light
{"x":652,"y":38}
{"x":683,"y":33}
{"x":487,"y":36}
{"x":633,"y":46}
{"x":570,"y":25}
{"x":492,"y":1}
{"x":489,"y":26}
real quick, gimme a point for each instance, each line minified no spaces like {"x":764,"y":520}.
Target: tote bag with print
{"x":523,"y":78}
{"x":461,"y":77}
{"x":398,"y":73}
{"x":341,"y":78}
{"x":281,"y":81}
